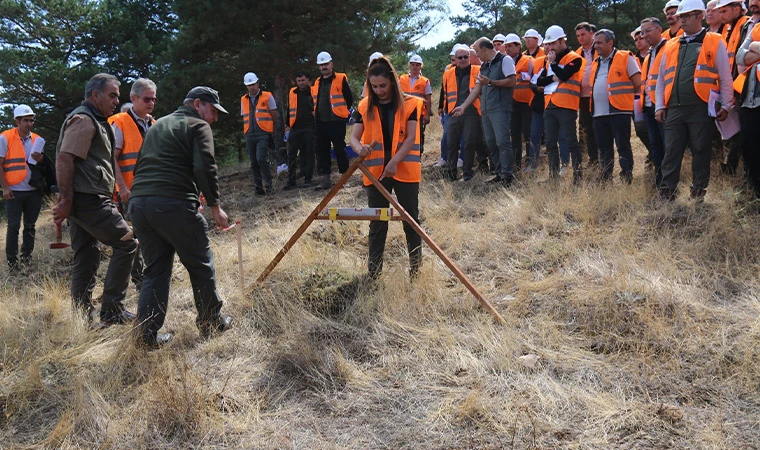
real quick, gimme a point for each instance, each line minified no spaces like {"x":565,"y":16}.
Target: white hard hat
{"x":454,"y":49}
{"x":635,"y":32}
{"x":323,"y":57}
{"x":554,"y":33}
{"x":22,"y":111}
{"x":512,"y":39}
{"x":415,"y":59}
{"x":373,"y":57}
{"x":458,"y":47}
{"x":534,"y":34}
{"x":250,"y":78}
{"x":687,"y":6}
{"x":670,"y":4}
{"x":722,"y":3}
{"x":499,"y":37}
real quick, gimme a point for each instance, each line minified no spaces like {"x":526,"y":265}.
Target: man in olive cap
{"x":176,"y":164}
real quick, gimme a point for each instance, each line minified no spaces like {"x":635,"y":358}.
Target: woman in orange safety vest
{"x":389,"y":118}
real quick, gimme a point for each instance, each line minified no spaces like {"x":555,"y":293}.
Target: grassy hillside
{"x":630,"y":324}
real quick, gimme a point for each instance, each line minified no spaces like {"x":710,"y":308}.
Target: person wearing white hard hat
{"x":129,"y":130}
{"x":417,"y":85}
{"x":443,"y":114}
{"x":674,"y":25}
{"x":732,"y":15}
{"x":691,"y":67}
{"x":522,"y":113}
{"x":749,"y":98}
{"x":457,"y":83}
{"x":651,"y":30}
{"x":84,"y":156}
{"x":584,"y":32}
{"x":494,"y":86}
{"x":332,"y":101}
{"x":712,"y":18}
{"x":615,"y":78}
{"x":259,"y":111}
{"x":22,"y":199}
{"x":561,"y":79}
{"x":498,"y":42}
{"x":533,"y":41}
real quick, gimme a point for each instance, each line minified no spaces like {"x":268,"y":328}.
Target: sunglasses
{"x":149,"y":99}
{"x":463,"y":57}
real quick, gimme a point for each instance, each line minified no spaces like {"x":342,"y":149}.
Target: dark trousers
{"x":258,"y":153}
{"x":656,"y":133}
{"x":168,"y":226}
{"x":560,"y":122}
{"x":25,"y":205}
{"x":687,"y":126}
{"x":749,"y":119}
{"x":331,"y":133}
{"x":641,"y":132}
{"x":95,"y":218}
{"x":301,"y":148}
{"x":467,"y":127}
{"x":586,"y":131}
{"x":520,"y":123}
{"x":733,"y":153}
{"x":137,"y":265}
{"x":407,"y":195}
{"x":422,"y":135}
{"x":614,"y":129}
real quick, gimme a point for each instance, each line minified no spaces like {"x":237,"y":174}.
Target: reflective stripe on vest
{"x":131,"y":148}
{"x":450,"y":87}
{"x":15,"y":166}
{"x":522,"y":92}
{"x":409,"y":169}
{"x":705,"y":73}
{"x":418,"y":90}
{"x":337,"y":101}
{"x":568,"y":93}
{"x":619,"y":84}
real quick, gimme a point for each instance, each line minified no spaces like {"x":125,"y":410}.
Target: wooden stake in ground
{"x":315,"y":215}
{"x":239,"y":234}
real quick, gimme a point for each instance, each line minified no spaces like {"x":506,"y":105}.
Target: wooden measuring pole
{"x":239,"y":233}
{"x":436,"y":249}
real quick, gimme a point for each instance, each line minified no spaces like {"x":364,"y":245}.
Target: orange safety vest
{"x":14,"y":166}
{"x":568,"y":93}
{"x":450,"y":87}
{"x":418,"y":90}
{"x":337,"y":101}
{"x":262,"y":115}
{"x":733,"y":43}
{"x":705,"y":74}
{"x":666,"y":34}
{"x":741,"y":81}
{"x":132,"y":143}
{"x":649,"y":73}
{"x":522,"y":92}
{"x":539,"y":53}
{"x":619,"y":84}
{"x":409,"y":170}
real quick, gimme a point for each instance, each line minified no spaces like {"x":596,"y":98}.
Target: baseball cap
{"x":206,"y":94}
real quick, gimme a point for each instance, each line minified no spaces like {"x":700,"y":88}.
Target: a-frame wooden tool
{"x":373,"y":214}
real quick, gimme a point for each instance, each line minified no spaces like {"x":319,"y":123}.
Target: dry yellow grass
{"x":643,"y":319}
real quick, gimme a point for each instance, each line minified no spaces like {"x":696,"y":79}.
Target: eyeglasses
{"x":149,"y":99}
{"x":463,"y":57}
{"x":686,"y":16}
